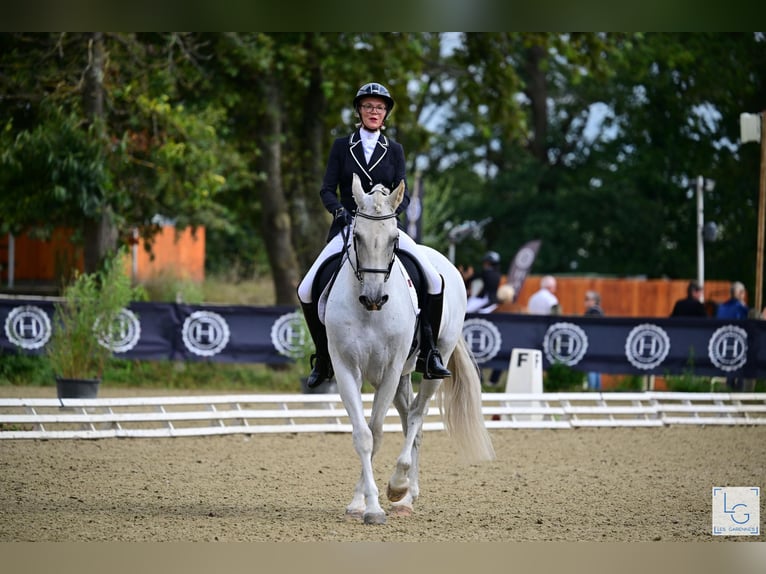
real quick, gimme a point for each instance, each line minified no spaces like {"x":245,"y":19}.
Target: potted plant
{"x":83,"y":323}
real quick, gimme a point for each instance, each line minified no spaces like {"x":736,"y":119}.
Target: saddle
{"x":327,"y":273}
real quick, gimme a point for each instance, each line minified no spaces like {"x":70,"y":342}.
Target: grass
{"x":259,"y":292}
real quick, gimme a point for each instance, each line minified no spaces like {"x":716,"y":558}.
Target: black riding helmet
{"x":493,"y":257}
{"x":374,"y":89}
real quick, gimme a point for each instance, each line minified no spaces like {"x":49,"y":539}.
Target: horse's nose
{"x":373,"y":304}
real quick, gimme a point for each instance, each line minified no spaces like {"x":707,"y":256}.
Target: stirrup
{"x":431,"y":366}
{"x":321,"y":371}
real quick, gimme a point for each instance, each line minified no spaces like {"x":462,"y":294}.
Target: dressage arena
{"x":547,"y":484}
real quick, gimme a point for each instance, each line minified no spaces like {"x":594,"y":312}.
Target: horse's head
{"x":375,"y":236}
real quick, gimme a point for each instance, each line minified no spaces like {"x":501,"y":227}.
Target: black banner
{"x":624,"y":345}
{"x":276,"y":335}
{"x":521,"y":264}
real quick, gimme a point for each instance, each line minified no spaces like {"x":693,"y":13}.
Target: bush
{"x":167,"y":287}
{"x":20,"y":369}
{"x":688,"y":383}
{"x":561,"y":377}
{"x":83,"y":320}
{"x":630,"y":383}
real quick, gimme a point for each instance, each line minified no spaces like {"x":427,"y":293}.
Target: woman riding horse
{"x":375,"y":158}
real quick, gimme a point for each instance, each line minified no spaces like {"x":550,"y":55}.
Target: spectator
{"x":544,"y":301}
{"x":593,"y":309}
{"x":691,"y":305}
{"x":505,"y":295}
{"x":485,"y":301}
{"x":735,"y":307}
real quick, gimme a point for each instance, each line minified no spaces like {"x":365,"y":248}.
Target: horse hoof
{"x":375,"y":518}
{"x":396,"y":494}
{"x":401,"y":511}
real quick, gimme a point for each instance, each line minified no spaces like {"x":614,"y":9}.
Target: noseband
{"x":358,"y":269}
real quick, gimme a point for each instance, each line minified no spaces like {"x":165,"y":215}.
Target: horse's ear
{"x":399,"y":194}
{"x":356,"y":189}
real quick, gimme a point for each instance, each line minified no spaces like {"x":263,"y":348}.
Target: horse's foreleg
{"x":366,"y":494}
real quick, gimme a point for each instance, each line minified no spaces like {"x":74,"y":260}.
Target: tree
{"x":94,"y":139}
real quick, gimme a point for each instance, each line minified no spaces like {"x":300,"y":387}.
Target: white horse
{"x":370,"y":318}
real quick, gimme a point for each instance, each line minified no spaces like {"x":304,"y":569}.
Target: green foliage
{"x":561,"y":378}
{"x":203,"y":375}
{"x":688,"y":382}
{"x":57,"y":169}
{"x":83,"y":320}
{"x":630,"y":383}
{"x":20,"y":369}
{"x":588,"y":141}
{"x":168,"y":287}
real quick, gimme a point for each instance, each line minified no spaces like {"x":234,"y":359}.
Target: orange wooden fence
{"x":179,"y":254}
{"x":620,"y":297}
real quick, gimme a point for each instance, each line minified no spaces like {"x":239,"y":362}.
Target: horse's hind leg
{"x":404,"y":483}
{"x":399,"y":483}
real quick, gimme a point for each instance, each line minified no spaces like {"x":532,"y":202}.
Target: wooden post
{"x":761,"y":207}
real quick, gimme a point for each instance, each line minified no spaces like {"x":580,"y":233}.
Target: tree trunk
{"x":99,"y":233}
{"x":310,"y":218}
{"x":276,"y":224}
{"x":538,"y":94}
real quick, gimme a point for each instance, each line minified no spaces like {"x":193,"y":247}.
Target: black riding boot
{"x":320,"y":361}
{"x":430,"y":360}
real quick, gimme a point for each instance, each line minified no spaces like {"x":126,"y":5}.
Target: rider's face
{"x":373,"y":112}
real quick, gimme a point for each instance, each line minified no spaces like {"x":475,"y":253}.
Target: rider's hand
{"x":342,"y":215}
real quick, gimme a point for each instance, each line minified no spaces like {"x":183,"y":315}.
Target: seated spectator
{"x":691,"y":305}
{"x":735,"y":307}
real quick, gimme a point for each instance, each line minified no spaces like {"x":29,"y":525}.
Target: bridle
{"x":358,"y":269}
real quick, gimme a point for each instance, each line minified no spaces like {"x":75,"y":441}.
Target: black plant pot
{"x":77,"y":388}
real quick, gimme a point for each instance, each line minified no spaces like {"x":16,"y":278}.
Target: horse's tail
{"x":461,"y":406}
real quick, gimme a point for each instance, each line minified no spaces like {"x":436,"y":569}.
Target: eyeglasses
{"x":369,"y":108}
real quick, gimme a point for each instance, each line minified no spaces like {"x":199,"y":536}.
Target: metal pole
{"x":761,"y":207}
{"x":134,"y":255}
{"x":700,"y":225}
{"x":11,"y":260}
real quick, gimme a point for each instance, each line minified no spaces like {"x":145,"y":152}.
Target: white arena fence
{"x":156,"y":417}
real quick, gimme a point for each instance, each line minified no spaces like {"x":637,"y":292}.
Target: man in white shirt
{"x":544,"y":301}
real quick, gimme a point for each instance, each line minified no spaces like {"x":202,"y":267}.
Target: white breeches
{"x":335,"y":245}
